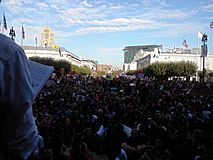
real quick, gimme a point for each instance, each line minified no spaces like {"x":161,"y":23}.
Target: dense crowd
{"x":124,"y":119}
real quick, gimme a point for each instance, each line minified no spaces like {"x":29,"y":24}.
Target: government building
{"x":138,"y":57}
{"x":48,"y":49}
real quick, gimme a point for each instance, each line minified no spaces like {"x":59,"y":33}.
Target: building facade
{"x":149,"y":54}
{"x":54,"y":53}
{"x":104,"y":68}
{"x":131,"y":51}
{"x":91,"y":64}
{"x":150,"y":58}
{"x":48,"y":49}
{"x":47,"y":37}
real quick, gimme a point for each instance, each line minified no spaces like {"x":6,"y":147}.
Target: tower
{"x":47,"y":37}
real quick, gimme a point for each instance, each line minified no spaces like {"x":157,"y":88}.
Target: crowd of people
{"x":124,"y":119}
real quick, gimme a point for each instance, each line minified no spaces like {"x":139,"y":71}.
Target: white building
{"x":54,"y":53}
{"x":134,"y":53}
{"x":156,"y":56}
{"x":130,"y":66}
{"x":144,"y":57}
{"x":90,"y":64}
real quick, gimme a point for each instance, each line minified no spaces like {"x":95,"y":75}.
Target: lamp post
{"x":12,"y":33}
{"x":204,"y":51}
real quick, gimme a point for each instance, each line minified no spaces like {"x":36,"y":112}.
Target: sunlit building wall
{"x":131,"y":52}
{"x":152,"y":57}
{"x":47,"y":37}
{"x":104,"y":68}
{"x":90,"y":64}
{"x":50,"y":52}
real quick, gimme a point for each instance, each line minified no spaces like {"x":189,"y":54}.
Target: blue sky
{"x":100,"y":29}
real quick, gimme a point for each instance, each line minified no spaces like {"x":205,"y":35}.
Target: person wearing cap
{"x":19,"y":138}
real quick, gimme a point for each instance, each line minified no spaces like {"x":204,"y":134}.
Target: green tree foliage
{"x":81,"y":70}
{"x":171,"y":69}
{"x":100,"y":73}
{"x":46,"y":61}
{"x":58,"y":64}
{"x":130,"y":72}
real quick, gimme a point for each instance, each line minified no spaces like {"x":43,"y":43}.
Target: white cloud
{"x":98,"y":16}
{"x":158,"y":2}
{"x":147,"y":2}
{"x":109,"y":51}
{"x":120,"y":22}
{"x":13,"y":2}
{"x":84,"y":13}
{"x":42,"y":6}
{"x":163,"y":3}
{"x":104,"y":29}
{"x":85,"y":3}
{"x":173,"y":30}
{"x":157,"y":13}
{"x":207,"y":7}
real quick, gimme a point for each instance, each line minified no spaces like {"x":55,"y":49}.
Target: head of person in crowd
{"x":79,"y":149}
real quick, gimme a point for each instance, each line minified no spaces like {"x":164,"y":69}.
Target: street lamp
{"x":204,"y":51}
{"x":12,"y":33}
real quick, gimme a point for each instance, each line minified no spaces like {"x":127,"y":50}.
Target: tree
{"x":130,"y":72}
{"x":59,"y":64}
{"x":81,"y":70}
{"x":164,"y":70}
{"x":100,"y":73}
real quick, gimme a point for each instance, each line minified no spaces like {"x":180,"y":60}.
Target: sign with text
{"x":204,"y":50}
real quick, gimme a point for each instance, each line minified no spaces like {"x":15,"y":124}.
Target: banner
{"x":204,"y":50}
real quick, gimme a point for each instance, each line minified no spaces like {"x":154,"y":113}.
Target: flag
{"x":211,"y":24}
{"x":23,"y":34}
{"x":199,"y":34}
{"x":5,"y":22}
{"x":36,"y":41}
{"x":55,"y":46}
{"x":185,"y":44}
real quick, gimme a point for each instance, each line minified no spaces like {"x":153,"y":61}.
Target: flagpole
{"x":198,"y":44}
{"x":199,"y":54}
{"x":3,"y":23}
{"x":35,"y":45}
{"x":21,"y":41}
{"x":0,"y":26}
{"x":22,"y":34}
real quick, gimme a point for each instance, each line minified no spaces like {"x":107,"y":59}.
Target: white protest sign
{"x":39,"y":74}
